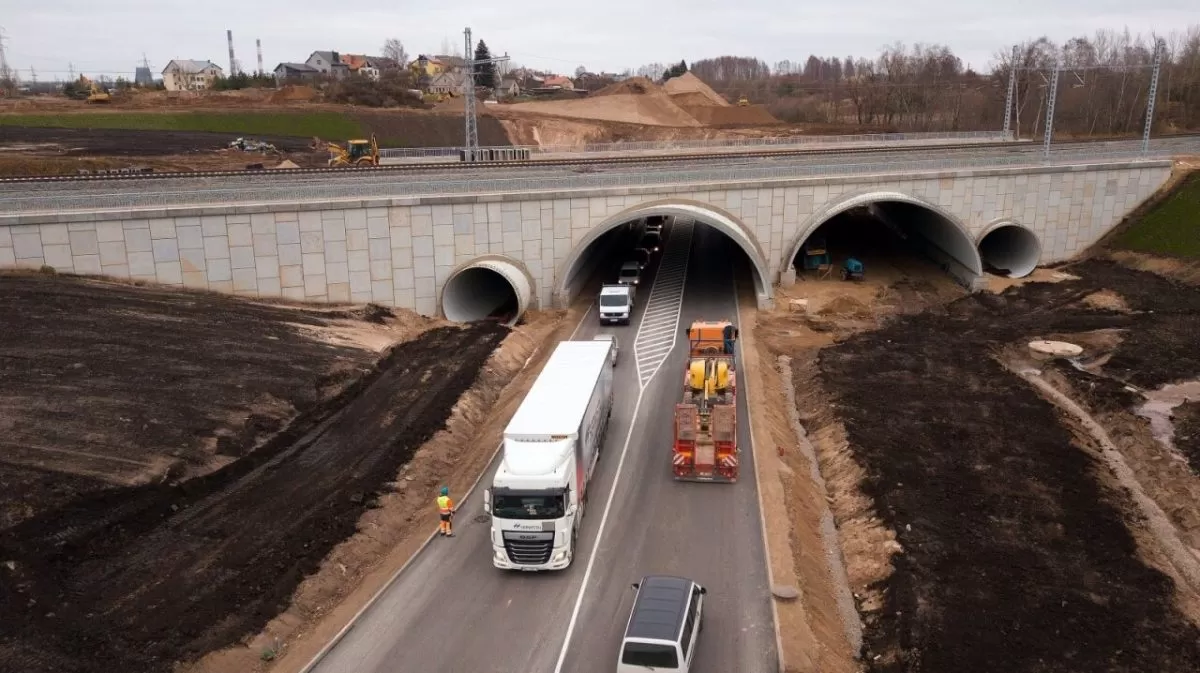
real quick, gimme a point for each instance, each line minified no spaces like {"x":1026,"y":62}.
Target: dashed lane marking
{"x":660,"y":321}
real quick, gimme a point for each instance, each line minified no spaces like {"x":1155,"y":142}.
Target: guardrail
{"x":309,"y":192}
{"x":709,"y":144}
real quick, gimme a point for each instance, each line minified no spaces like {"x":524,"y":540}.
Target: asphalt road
{"x":452,"y":611}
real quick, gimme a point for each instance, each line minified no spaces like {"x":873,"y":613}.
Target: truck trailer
{"x":705,"y":446}
{"x":551,"y":447}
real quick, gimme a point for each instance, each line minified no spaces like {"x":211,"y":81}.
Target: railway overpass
{"x":462,"y":248}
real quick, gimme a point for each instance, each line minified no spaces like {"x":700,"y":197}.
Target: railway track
{"x":540,"y":163}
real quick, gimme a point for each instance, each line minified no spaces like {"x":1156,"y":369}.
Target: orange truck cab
{"x":705,"y":435}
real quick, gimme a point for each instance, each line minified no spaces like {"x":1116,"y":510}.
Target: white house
{"x":187,"y":75}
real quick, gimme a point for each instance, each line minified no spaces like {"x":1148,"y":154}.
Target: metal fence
{"x":332,"y":192}
{"x":711,"y":144}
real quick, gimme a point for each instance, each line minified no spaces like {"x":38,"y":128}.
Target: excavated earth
{"x":121,"y":385}
{"x":1017,"y":556}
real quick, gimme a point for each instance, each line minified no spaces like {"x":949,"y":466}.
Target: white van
{"x":663,"y":626}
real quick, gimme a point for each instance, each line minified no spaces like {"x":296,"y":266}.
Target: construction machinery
{"x":355,"y":153}
{"x":852,"y":269}
{"x":705,"y":447}
{"x":743,"y":102}
{"x":96,"y":94}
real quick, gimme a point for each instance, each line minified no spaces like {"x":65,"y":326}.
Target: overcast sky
{"x":110,"y":36}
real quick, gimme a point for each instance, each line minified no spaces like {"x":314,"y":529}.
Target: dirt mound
{"x":95,"y":586}
{"x":633,"y":85}
{"x":651,"y":108}
{"x":689,"y":85}
{"x":1010,"y":519}
{"x":415,"y":128}
{"x":294,"y":93}
{"x":711,"y":115}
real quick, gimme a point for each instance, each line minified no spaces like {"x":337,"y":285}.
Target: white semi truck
{"x":551,"y":446}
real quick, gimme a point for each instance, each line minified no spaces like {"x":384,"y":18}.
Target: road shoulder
{"x":811,"y":634}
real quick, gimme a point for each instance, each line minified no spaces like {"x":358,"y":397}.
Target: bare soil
{"x":1003,"y":525}
{"x":115,"y":142}
{"x":92,"y":579}
{"x":1187,"y":433}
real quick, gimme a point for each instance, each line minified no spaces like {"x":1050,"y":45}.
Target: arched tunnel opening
{"x":891,"y":240}
{"x":487,"y":289}
{"x":645,"y":238}
{"x":1010,"y":250}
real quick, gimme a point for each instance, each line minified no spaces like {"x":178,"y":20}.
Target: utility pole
{"x":258,"y":47}
{"x":472,"y":130}
{"x":1160,"y":46}
{"x":71,"y":70}
{"x":4,"y":72}
{"x":1051,"y":95}
{"x":32,"y":75}
{"x":1012,"y":88}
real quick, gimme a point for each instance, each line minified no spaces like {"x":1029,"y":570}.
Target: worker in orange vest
{"x":446,"y":511}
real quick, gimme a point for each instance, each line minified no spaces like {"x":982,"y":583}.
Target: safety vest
{"x":444,"y":504}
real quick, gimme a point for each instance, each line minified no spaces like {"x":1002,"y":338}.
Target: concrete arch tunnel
{"x":490,"y":287}
{"x":1008,"y":248}
{"x":928,"y":229}
{"x":581,"y":263}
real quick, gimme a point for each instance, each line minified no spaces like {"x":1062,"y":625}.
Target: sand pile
{"x":633,"y":85}
{"x":633,"y":101}
{"x":711,"y":115}
{"x":693,"y":90}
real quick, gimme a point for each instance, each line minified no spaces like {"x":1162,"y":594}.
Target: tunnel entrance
{"x":494,"y":289}
{"x":891,"y":240}
{"x":1010,"y":250}
{"x":601,"y":252}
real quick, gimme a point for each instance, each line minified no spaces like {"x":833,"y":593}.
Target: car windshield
{"x":650,"y":655}
{"x":629,"y":273}
{"x":613,"y":300}
{"x":529,"y":506}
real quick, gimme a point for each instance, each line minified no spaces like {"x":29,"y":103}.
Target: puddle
{"x":1161,"y":403}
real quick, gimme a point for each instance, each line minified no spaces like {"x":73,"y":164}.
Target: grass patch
{"x":1171,"y":228}
{"x":299,"y":124}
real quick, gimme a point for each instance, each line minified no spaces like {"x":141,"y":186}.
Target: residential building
{"x":285,"y":72}
{"x":453,"y":83}
{"x":366,"y":66}
{"x":509,"y":88}
{"x":558,"y":82}
{"x":328,"y":63}
{"x":188,"y":75}
{"x":426,"y":66}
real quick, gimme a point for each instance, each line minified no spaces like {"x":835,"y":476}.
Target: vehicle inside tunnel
{"x":891,"y":238}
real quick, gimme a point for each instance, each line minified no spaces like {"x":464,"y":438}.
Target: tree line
{"x":1103,"y":85}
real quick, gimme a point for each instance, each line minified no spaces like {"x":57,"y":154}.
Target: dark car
{"x":651,"y":242}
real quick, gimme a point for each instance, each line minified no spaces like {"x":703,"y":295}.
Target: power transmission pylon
{"x":1160,"y":46}
{"x":472,"y":129}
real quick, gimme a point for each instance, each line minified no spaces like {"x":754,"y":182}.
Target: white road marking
{"x":656,"y":336}
{"x":681,"y":234}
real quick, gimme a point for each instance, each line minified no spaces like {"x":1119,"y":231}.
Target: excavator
{"x":705,"y":447}
{"x":355,"y":153}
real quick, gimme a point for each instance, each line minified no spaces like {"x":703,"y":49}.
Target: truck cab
{"x":616,"y":303}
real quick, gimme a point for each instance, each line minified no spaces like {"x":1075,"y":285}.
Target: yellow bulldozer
{"x":96,"y":94}
{"x":355,"y":153}
{"x":743,"y":102}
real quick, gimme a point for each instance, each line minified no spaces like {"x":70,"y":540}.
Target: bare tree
{"x":394,"y":51}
